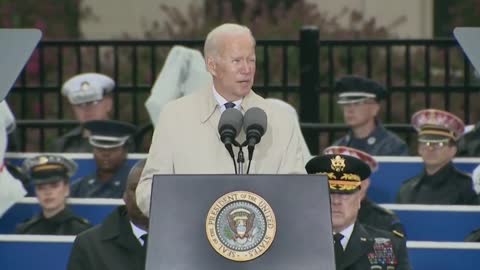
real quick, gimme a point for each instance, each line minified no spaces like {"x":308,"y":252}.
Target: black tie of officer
{"x":229,"y":105}
{"x":337,"y":247}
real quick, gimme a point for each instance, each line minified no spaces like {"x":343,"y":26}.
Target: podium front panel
{"x":183,"y":205}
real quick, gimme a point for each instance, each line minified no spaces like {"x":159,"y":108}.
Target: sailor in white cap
{"x":110,"y":140}
{"x":91,"y":99}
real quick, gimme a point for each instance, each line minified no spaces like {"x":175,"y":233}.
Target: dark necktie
{"x":145,"y":241}
{"x":337,"y":247}
{"x":229,"y":105}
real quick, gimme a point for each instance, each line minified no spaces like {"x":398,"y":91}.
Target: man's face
{"x":233,"y":69}
{"x":436,"y":154}
{"x":360,"y":113}
{"x":109,"y":159}
{"x":129,"y":198}
{"x":344,"y":209}
{"x":97,"y":110}
{"x":51,"y":196}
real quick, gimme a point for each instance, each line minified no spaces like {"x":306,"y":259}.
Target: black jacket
{"x":63,"y":223}
{"x":375,"y":216}
{"x":110,"y":245}
{"x":447,"y":186}
{"x":370,"y":248}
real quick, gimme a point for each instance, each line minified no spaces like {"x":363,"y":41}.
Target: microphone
{"x":230,"y":123}
{"x":255,"y":125}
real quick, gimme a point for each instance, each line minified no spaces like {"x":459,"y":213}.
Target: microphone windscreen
{"x":232,"y":118}
{"x":255,"y":117}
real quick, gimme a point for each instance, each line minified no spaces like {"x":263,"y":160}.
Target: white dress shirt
{"x":138,"y":232}
{"x":347,"y":233}
{"x":221,"y":101}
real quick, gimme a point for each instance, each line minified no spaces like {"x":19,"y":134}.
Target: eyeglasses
{"x":433,"y":145}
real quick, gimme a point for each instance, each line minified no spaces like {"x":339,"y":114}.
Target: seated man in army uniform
{"x":356,"y":246}
{"x":360,"y":100}
{"x":440,"y":182}
{"x":110,"y":140}
{"x":370,"y":213}
{"x":91,"y":99}
{"x":51,"y":174}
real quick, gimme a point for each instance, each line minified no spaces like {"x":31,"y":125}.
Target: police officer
{"x":360,"y":100}
{"x":440,"y":182}
{"x":356,"y":246}
{"x":91,"y":99}
{"x":110,"y":140}
{"x":370,"y":213}
{"x":50,"y":174}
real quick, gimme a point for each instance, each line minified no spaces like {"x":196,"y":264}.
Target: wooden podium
{"x":268,"y":222}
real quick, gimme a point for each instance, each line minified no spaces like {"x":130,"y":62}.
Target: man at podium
{"x":186,"y":139}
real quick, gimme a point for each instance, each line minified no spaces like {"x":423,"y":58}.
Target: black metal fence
{"x":418,"y":73}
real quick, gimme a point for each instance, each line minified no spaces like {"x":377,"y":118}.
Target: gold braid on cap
{"x":47,"y":167}
{"x":449,"y":134}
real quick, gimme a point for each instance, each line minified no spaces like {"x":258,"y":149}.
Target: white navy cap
{"x":87,"y":87}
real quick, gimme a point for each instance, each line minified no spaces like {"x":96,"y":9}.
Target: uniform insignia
{"x":116,"y":183}
{"x":338,"y":163}
{"x":399,"y":234}
{"x":91,"y":181}
{"x":383,"y":253}
{"x":371,"y":140}
{"x":85,"y":86}
{"x":240,"y":226}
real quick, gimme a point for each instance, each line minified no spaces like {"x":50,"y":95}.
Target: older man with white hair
{"x":186,"y":139}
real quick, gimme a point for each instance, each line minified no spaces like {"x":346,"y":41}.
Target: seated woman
{"x":50,"y":174}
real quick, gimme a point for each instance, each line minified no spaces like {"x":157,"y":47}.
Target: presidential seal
{"x":240,"y":226}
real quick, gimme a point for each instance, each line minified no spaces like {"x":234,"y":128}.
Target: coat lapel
{"x":358,"y":245}
{"x":118,"y":230}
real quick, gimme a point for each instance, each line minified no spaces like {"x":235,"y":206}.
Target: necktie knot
{"x":229,"y":105}
{"x":145,"y":239}
{"x":338,"y":237}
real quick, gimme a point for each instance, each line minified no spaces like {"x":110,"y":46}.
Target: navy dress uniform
{"x":106,"y":135}
{"x":80,"y":90}
{"x":437,"y":129}
{"x":370,"y":213}
{"x":380,"y":142}
{"x":364,"y":247}
{"x":46,"y":169}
